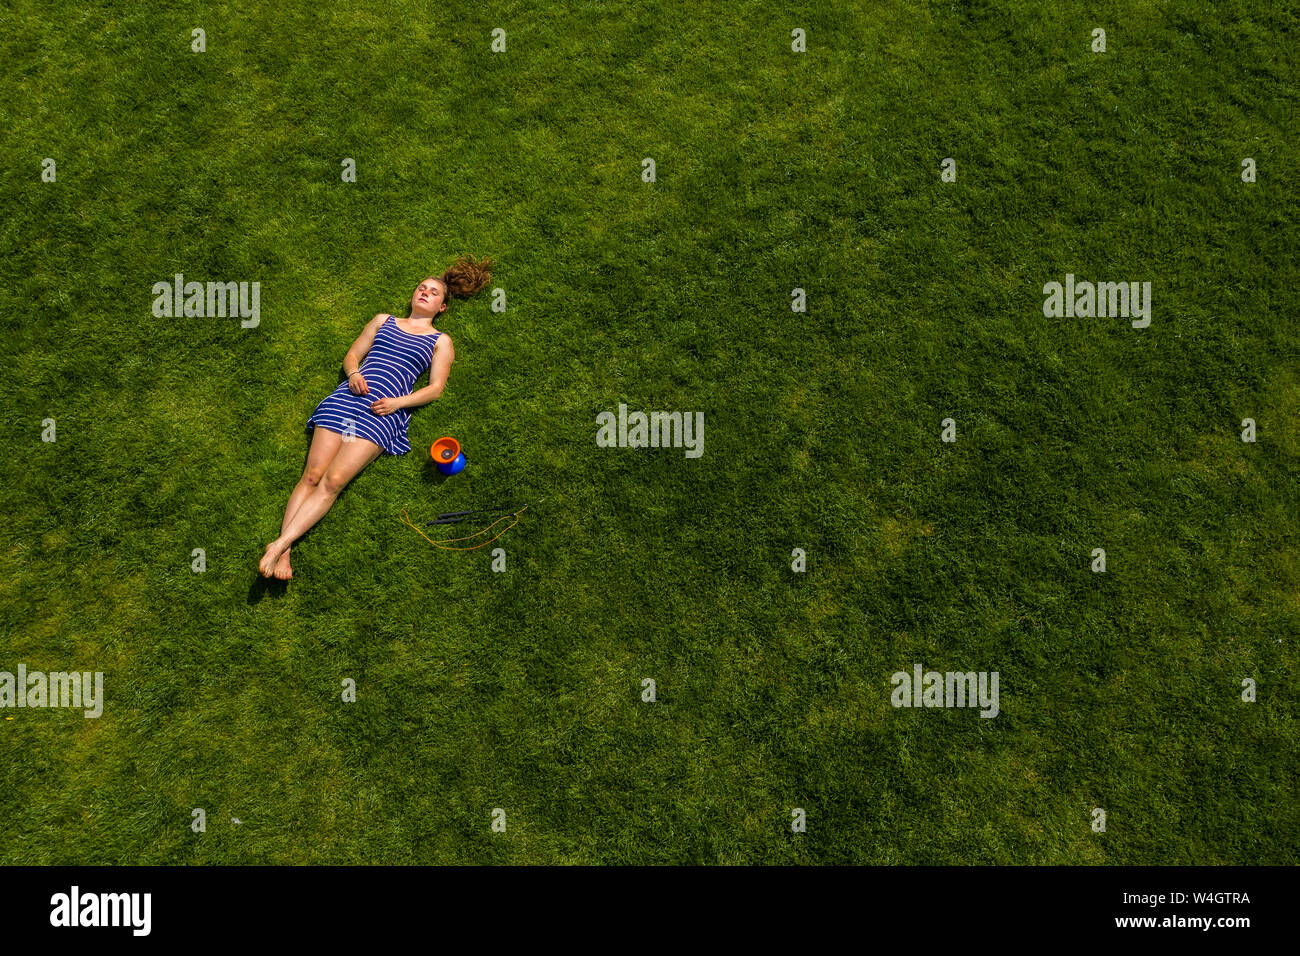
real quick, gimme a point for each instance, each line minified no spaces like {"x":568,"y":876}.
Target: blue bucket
{"x":453,"y":467}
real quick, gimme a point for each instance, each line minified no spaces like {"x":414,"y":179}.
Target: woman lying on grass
{"x":368,"y":414}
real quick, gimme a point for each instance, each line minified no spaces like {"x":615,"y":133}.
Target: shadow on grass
{"x":261,"y":587}
{"x":432,"y":477}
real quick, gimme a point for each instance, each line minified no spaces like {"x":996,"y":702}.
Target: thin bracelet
{"x":357,"y":372}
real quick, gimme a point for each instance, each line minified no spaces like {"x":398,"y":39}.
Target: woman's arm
{"x":361,"y":347}
{"x":443,"y":355}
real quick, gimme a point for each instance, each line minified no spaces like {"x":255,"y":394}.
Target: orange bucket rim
{"x":445,"y":442}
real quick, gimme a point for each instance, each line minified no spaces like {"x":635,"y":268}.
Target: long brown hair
{"x":466,"y":277}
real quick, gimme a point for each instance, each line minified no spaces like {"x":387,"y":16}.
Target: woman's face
{"x":429,"y":297}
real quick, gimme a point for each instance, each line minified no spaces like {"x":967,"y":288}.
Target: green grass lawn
{"x":775,"y":170}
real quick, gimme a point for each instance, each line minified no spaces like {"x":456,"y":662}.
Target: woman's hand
{"x":357,"y":384}
{"x":386,"y":406}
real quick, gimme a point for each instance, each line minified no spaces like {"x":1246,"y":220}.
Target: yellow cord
{"x":407,"y":518}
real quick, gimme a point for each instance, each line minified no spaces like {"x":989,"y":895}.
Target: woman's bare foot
{"x":283,"y":570}
{"x":271,"y":558}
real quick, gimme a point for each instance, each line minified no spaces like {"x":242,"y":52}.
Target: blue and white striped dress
{"x":395,"y":360}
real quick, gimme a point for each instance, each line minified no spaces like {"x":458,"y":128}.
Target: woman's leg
{"x":324,"y":446}
{"x":351,"y":457}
